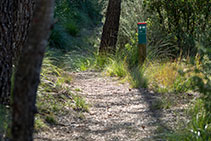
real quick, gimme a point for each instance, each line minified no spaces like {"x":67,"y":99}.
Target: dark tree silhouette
{"x":111,"y":28}
{"x":27,"y":76}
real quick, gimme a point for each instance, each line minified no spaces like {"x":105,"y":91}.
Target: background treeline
{"x":174,"y":26}
{"x":183,"y":22}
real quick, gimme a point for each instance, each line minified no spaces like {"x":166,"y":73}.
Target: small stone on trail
{"x":143,"y":127}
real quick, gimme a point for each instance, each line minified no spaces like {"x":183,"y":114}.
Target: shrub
{"x":59,"y":38}
{"x":71,"y":28}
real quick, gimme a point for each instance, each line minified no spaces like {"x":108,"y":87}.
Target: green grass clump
{"x":39,"y":124}
{"x":116,"y":68}
{"x":80,"y":104}
{"x":137,"y":77}
{"x":5,"y":119}
{"x":50,"y":118}
{"x":197,"y":129}
{"x":71,"y":28}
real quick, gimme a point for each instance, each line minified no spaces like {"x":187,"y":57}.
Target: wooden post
{"x":142,"y":52}
{"x":142,"y":41}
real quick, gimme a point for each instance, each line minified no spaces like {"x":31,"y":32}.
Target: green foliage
{"x":101,"y":61}
{"x":71,"y":28}
{"x":130,"y":52}
{"x":163,"y":103}
{"x":131,"y":14}
{"x":39,"y":124}
{"x":80,"y":104}
{"x":185,"y":21}
{"x":71,"y":17}
{"x":54,"y":95}
{"x":116,"y":68}
{"x":182,"y":84}
{"x":59,"y":38}
{"x":199,"y":126}
{"x":164,"y":77}
{"x":50,"y":118}
{"x":73,"y":61}
{"x":198,"y":129}
{"x":203,"y":84}
{"x":138,"y":78}
{"x":158,"y":72}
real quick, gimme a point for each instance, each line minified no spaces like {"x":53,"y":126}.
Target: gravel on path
{"x":117,"y":113}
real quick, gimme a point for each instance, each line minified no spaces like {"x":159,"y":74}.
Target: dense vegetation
{"x":178,"y":58}
{"x":178,"y":54}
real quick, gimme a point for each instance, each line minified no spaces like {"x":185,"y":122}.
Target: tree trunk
{"x":22,"y":15}
{"x":15,"y":17}
{"x":6,"y":7}
{"x":111,"y":28}
{"x":27,"y":76}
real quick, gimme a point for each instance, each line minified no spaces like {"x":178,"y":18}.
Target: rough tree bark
{"x":22,"y":15}
{"x":27,"y":76}
{"x":111,"y":28}
{"x":6,"y":7}
{"x":15,"y":17}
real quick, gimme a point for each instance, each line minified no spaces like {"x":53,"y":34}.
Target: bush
{"x":59,"y":38}
{"x":71,"y":28}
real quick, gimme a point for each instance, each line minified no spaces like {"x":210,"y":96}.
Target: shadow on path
{"x":118,"y":113}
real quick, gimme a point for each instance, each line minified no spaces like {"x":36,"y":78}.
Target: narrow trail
{"x":117,"y":113}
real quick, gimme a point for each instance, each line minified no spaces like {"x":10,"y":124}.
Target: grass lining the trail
{"x":55,"y":98}
{"x":176,"y":80}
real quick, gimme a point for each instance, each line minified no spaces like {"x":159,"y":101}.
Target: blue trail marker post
{"x":142,"y":41}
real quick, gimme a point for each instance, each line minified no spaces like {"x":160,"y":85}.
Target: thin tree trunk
{"x":111,"y":28}
{"x":27,"y":76}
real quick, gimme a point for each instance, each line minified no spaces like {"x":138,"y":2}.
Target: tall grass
{"x":197,"y":129}
{"x":55,"y":98}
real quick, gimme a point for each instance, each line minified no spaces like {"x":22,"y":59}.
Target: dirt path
{"x":117,"y":113}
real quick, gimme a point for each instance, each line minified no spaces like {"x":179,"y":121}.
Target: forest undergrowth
{"x":174,"y":71}
{"x":175,"y":76}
